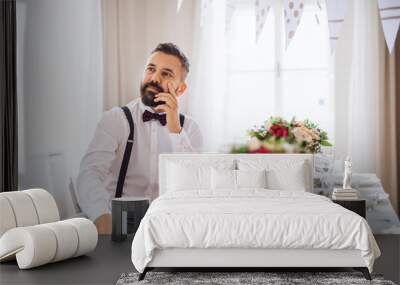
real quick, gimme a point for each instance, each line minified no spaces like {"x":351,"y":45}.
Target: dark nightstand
{"x":127,"y":212}
{"x":357,"y":206}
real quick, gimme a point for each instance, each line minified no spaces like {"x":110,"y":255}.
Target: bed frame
{"x":249,"y":259}
{"x":244,"y":259}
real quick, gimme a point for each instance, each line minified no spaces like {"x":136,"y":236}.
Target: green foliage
{"x":240,"y":149}
{"x":326,"y":143}
{"x":310,"y":125}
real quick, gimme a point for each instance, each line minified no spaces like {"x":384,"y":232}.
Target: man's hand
{"x":170,"y":108}
{"x":103,"y":224}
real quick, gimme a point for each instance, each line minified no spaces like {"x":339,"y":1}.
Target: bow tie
{"x":147,"y":116}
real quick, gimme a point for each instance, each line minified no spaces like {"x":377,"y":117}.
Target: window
{"x":265,"y":78}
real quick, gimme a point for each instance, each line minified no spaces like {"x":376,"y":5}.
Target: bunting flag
{"x":230,"y":10}
{"x":293,"y":10}
{"x":336,"y":11}
{"x":178,"y":5}
{"x":261,"y":10}
{"x":205,"y":5}
{"x":390,"y":16}
{"x":318,"y":13}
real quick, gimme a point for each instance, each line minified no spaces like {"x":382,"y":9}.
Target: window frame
{"x":277,"y":7}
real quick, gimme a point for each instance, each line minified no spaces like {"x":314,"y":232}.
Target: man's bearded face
{"x":148,"y":92}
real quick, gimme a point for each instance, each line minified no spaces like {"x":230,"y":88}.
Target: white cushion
{"x":223,"y":179}
{"x":251,"y":178}
{"x":23,"y":208}
{"x":45,"y":205}
{"x":87,"y":234}
{"x":27,"y":208}
{"x":293,"y":178}
{"x":281,"y":174}
{"x":32,"y":246}
{"x":7,"y":220}
{"x":237,"y":179}
{"x":66,"y":237}
{"x":188,"y":175}
{"x":40,"y":244}
{"x":181,"y":177}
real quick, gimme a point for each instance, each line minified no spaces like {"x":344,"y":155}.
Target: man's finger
{"x":169,"y":95}
{"x":167,"y":99}
{"x":171,"y":88}
{"x":169,"y":104}
{"x":163,"y":108}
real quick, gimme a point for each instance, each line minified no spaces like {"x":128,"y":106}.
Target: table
{"x":357,"y":206}
{"x":102,"y":266}
{"x":381,"y":216}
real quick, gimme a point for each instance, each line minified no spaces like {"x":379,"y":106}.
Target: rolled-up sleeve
{"x":189,"y":139}
{"x":95,"y":166}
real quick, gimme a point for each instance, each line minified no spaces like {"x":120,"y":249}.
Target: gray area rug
{"x":228,"y":278}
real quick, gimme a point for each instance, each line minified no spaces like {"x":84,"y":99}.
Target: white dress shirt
{"x":100,"y":166}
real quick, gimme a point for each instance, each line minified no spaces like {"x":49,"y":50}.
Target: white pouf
{"x":30,"y":230}
{"x":37,"y":245}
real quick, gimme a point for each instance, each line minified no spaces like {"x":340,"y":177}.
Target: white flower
{"x":302,"y":134}
{"x":316,"y":134}
{"x":268,"y":125}
{"x":254,"y":144}
{"x":289,"y":148}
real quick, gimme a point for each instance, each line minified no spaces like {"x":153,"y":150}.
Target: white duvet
{"x":250,"y":219}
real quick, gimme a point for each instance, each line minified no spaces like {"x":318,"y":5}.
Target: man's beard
{"x":148,"y":96}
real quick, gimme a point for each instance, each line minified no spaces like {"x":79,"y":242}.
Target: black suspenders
{"x":127,"y":153}
{"x":128,"y":150}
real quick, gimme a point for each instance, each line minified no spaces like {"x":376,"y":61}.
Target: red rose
{"x":279,"y":131}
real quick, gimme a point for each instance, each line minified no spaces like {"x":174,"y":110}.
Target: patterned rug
{"x":243,"y":278}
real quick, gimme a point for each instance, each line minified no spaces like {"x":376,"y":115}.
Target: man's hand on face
{"x":170,"y":107}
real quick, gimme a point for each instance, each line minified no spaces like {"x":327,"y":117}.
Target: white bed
{"x":199,"y":224}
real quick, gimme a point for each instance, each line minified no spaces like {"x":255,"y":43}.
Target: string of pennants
{"x":389,"y":11}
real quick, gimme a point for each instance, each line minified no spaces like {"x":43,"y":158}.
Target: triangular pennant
{"x":293,"y":10}
{"x":230,"y":10}
{"x":336,"y":11}
{"x":261,"y":10}
{"x":318,"y":13}
{"x":389,"y":11}
{"x":178,"y":5}
{"x":205,"y":5}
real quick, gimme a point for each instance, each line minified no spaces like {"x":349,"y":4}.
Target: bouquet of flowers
{"x":280,"y":136}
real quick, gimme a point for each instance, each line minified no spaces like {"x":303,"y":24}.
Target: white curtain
{"x":365,"y":82}
{"x":207,"y":82}
{"x":357,"y":85}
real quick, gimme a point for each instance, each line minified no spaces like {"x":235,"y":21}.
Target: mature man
{"x":158,"y":128}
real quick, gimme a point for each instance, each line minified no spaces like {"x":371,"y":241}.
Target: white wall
{"x":59,"y":90}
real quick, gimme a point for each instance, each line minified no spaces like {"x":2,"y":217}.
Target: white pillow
{"x":237,"y":179}
{"x":223,"y":179}
{"x":187,"y":174}
{"x":282,"y":174}
{"x":293,"y":179}
{"x":188,"y":177}
{"x":251,"y":178}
